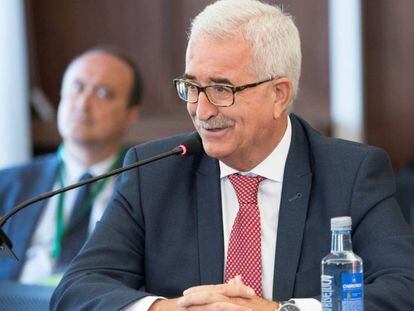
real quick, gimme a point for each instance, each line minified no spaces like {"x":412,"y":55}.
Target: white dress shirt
{"x":39,"y":264}
{"x":269,"y":196}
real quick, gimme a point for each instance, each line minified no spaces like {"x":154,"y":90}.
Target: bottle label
{"x":351,"y":291}
{"x":326,"y":292}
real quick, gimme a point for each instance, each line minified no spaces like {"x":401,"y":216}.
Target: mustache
{"x":217,"y":122}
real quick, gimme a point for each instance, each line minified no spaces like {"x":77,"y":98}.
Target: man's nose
{"x":205,"y":109}
{"x":84,"y":100}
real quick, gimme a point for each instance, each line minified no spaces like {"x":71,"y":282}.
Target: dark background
{"x":153,"y":33}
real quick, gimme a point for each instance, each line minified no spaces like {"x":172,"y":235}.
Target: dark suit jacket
{"x":162,"y":232}
{"x":18,"y":184}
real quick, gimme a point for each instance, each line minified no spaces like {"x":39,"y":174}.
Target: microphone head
{"x":191,"y":145}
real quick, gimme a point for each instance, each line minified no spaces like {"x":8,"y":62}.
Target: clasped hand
{"x":233,"y":296}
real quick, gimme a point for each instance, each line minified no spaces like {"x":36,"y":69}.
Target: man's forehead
{"x":210,"y":60}
{"x":97,"y":61}
{"x":97,"y":65}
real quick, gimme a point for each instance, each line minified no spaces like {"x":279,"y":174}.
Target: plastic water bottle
{"x":342,"y":272}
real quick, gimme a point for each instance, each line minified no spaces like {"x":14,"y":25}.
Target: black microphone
{"x":190,"y":146}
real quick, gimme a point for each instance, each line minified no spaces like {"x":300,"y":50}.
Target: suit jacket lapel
{"x":23,"y":225}
{"x":292,"y":216}
{"x":210,"y":224}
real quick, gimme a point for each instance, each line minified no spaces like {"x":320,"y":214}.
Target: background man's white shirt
{"x":39,"y":264}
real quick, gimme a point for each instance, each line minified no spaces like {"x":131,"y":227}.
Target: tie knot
{"x":246,"y":187}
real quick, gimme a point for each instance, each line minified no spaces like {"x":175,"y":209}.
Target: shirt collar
{"x":273,"y":166}
{"x":74,"y":169}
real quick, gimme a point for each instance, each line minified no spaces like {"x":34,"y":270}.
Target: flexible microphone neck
{"x":190,"y":146}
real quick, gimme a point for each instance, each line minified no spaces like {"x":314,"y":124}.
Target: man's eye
{"x":191,"y":87}
{"x":76,"y":87}
{"x":103,"y":93}
{"x":221,"y":89}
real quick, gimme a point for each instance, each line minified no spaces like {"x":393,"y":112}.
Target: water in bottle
{"x":342,"y":271}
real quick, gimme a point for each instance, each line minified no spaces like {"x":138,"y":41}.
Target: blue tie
{"x":76,"y":231}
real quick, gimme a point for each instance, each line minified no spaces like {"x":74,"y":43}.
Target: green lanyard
{"x":61,"y":227}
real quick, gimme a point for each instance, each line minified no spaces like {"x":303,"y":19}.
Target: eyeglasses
{"x":221,"y":95}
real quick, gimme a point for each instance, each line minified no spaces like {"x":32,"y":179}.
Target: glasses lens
{"x":181,"y":90}
{"x":187,"y":91}
{"x":220,"y":95}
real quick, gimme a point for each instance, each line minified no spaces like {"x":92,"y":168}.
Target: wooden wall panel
{"x":311,"y":18}
{"x":389,"y":76}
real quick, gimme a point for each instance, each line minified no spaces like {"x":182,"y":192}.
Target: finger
{"x":233,"y":289}
{"x":200,"y":298}
{"x":238,"y":279}
{"x":221,"y":306}
{"x":201,"y":288}
{"x":237,"y":289}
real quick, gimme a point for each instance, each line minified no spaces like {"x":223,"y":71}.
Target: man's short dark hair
{"x":135,"y":93}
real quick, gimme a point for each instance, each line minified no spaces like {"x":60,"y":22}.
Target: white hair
{"x":269,"y":31}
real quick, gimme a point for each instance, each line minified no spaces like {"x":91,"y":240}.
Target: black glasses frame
{"x":200,"y":89}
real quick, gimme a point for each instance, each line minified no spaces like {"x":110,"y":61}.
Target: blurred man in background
{"x":100,"y":98}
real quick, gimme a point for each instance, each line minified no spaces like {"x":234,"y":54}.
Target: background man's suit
{"x":163,"y":228}
{"x":18,"y":184}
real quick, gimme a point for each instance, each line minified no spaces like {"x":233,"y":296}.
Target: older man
{"x":99,"y":102}
{"x":244,"y":224}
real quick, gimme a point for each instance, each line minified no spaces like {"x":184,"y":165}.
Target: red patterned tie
{"x":244,"y":256}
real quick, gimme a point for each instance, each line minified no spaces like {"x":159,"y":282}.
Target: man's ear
{"x":133,"y":115}
{"x":283,"y":90}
